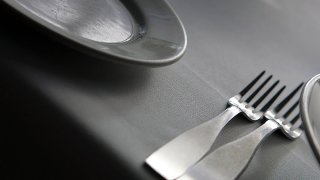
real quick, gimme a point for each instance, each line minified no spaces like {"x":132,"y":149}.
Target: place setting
{"x":148,"y":34}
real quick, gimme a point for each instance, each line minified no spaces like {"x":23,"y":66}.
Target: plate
{"x":310,"y":114}
{"x":146,"y":32}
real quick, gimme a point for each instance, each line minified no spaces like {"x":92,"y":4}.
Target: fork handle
{"x":230,"y":160}
{"x":181,"y":153}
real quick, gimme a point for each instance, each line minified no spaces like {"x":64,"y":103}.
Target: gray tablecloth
{"x":128,"y":112}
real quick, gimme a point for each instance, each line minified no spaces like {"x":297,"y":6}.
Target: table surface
{"x":69,"y":115}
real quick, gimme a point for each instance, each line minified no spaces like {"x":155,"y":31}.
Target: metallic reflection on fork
{"x":174,"y":158}
{"x":229,"y":161}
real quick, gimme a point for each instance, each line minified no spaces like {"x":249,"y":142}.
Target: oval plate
{"x":310,"y":114}
{"x":146,"y":32}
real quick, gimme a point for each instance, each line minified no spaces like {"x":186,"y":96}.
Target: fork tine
{"x":271,"y":101}
{"x":263,"y":96}
{"x":249,"y":86}
{"x":287,"y":99}
{"x":291,"y":109}
{"x":258,"y":89}
{"x":295,"y":118}
{"x":296,"y":122}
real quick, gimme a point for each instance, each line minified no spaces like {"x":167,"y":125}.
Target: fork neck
{"x":285,"y":127}
{"x":248,"y":110}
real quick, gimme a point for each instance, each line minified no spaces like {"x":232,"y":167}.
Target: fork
{"x":175,"y":157}
{"x":230,"y":160}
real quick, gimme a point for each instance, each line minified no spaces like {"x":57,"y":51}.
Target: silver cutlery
{"x":229,"y":161}
{"x":175,"y":157}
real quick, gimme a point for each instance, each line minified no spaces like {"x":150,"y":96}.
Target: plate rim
{"x":304,"y":106}
{"x":78,"y":44}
